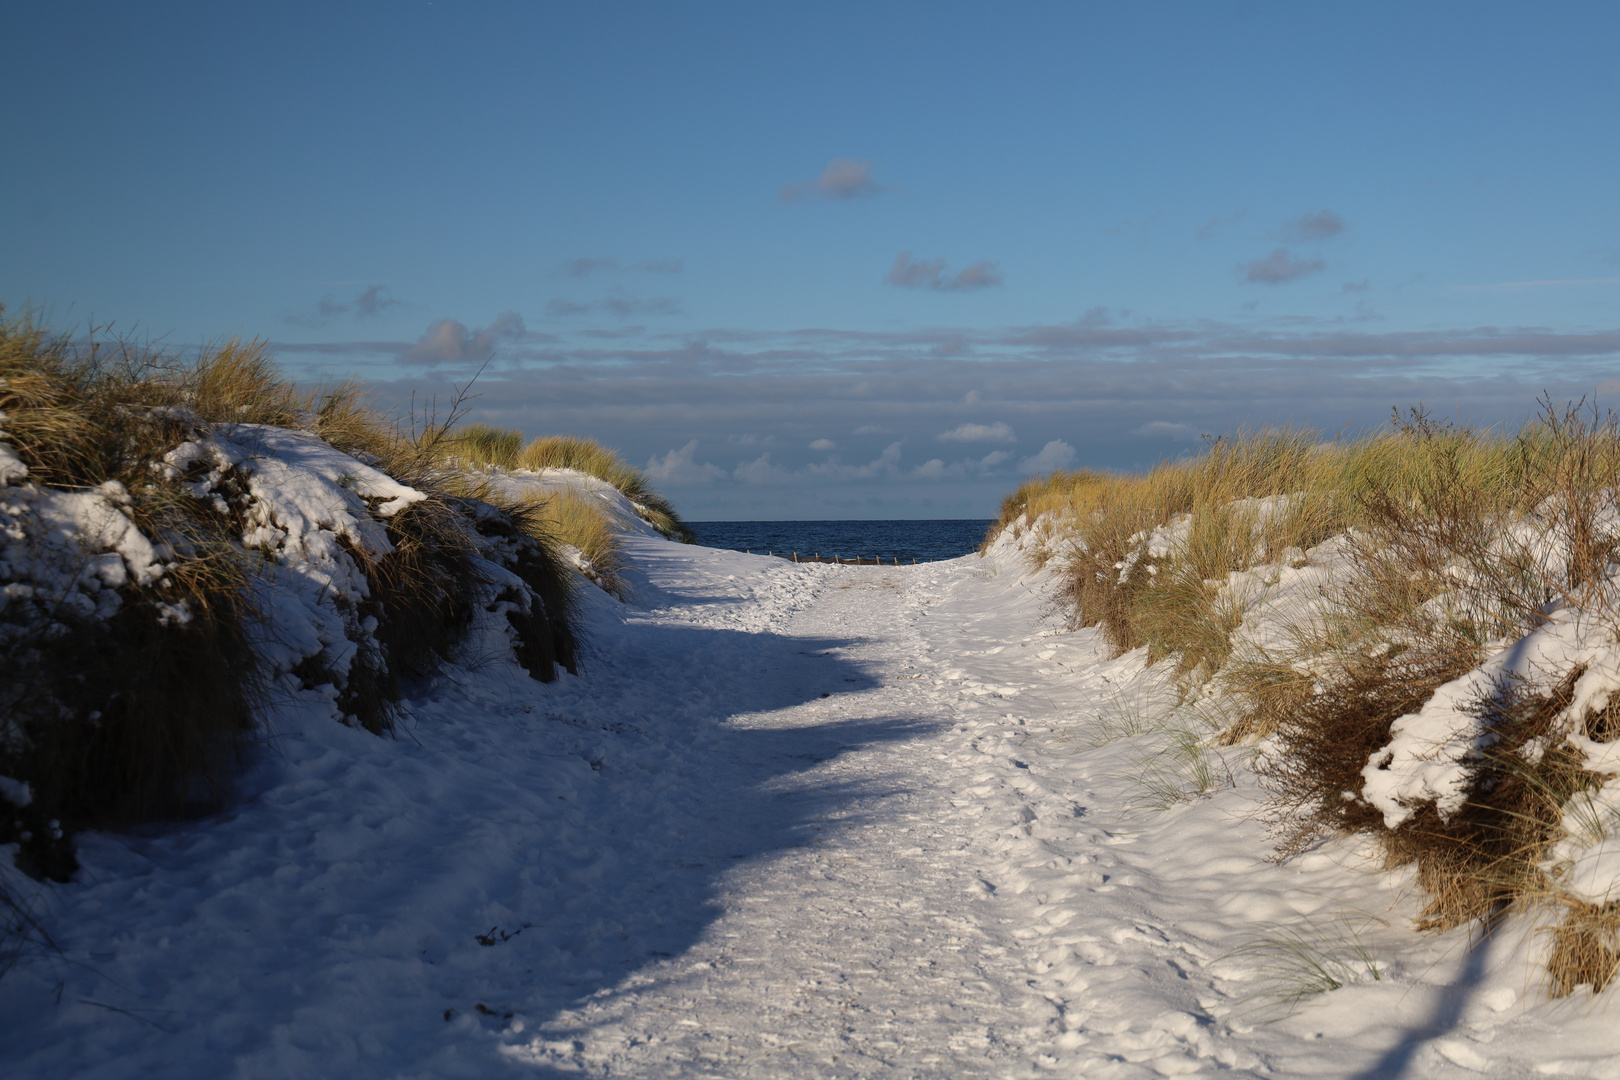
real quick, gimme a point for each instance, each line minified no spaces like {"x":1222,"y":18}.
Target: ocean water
{"x":924,"y":541}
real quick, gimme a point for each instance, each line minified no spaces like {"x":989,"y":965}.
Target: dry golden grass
{"x":1051,"y":500}
{"x":580,"y":522}
{"x":557,"y":518}
{"x":1427,"y":495}
{"x":547,"y":635}
{"x":589,"y":456}
{"x":121,"y":718}
{"x":1585,"y":948}
{"x":481,"y":445}
{"x":1169,"y":601}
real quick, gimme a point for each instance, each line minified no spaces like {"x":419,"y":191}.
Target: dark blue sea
{"x":924,"y":541}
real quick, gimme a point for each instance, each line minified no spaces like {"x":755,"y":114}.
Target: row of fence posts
{"x":836,"y":559}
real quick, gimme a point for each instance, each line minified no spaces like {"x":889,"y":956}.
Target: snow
{"x":67,"y":552}
{"x":313,"y":512}
{"x":1593,"y":873}
{"x":15,"y":792}
{"x":1431,"y":751}
{"x":11,"y":466}
{"x":793,"y":820}
{"x":302,"y":493}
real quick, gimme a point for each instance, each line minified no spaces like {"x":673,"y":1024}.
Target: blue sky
{"x":841,"y":260}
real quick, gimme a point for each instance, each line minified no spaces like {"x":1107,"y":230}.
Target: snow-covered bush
{"x":1418,"y":629}
{"x":1461,"y":666}
{"x":182,"y":542}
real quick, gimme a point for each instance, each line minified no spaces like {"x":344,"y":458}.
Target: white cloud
{"x":996,"y":432}
{"x":588,"y":265}
{"x":1279,"y":268}
{"x":887,"y":464}
{"x":909,"y":273}
{"x":372,"y":301}
{"x":979,"y":275}
{"x":618,"y":305}
{"x":369,"y":303}
{"x":1056,"y":454}
{"x":843,"y":178}
{"x":448,"y":341}
{"x":823,"y":444}
{"x":681,"y":467}
{"x":760,"y":471}
{"x":1163,"y":429}
{"x":966,"y":469}
{"x":1217,"y":225}
{"x":1322,"y":225}
{"x":1094,"y":380}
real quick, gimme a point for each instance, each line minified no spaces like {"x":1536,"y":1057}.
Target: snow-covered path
{"x":793,"y":821}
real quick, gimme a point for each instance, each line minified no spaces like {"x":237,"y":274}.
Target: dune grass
{"x":1445,"y":539}
{"x":1289,"y":963}
{"x":565,"y":518}
{"x":94,"y":756}
{"x":481,"y":446}
{"x":1143,"y":555}
{"x":579,"y":521}
{"x":1046,"y":504}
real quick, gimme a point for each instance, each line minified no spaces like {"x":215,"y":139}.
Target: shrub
{"x":1463,"y":541}
{"x":1446,"y":542}
{"x":129,"y":691}
{"x":1145,"y":555}
{"x":1585,"y":948}
{"x":140,"y":711}
{"x":518,"y":536}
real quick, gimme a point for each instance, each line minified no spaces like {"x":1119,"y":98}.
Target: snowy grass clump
{"x":483,"y":447}
{"x":185,"y":542}
{"x":1289,"y":963}
{"x":1415,"y":629}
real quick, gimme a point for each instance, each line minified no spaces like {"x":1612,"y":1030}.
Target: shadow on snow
{"x":722,"y":789}
{"x":378,"y":907}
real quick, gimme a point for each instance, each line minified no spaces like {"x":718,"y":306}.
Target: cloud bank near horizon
{"x":823,"y":422}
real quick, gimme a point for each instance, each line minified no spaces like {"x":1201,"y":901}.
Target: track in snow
{"x":793,"y":821}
